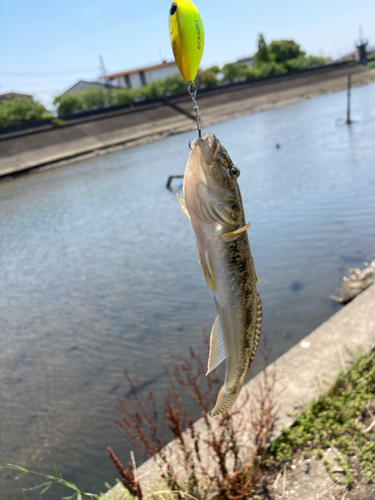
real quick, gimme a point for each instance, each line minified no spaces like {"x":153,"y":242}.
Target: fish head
{"x":211,"y":190}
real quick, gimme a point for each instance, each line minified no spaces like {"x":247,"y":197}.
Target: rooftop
{"x":11,"y":95}
{"x":164,"y":64}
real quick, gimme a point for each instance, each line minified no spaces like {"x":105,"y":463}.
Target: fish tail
{"x":225,"y":400}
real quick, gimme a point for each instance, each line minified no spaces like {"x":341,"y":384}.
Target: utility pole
{"x":361,"y":47}
{"x":104,"y":71}
{"x":348,"y":121}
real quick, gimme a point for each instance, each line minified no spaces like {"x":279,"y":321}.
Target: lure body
{"x":187,"y":37}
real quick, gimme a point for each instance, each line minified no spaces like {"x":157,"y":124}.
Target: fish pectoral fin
{"x":208,"y":273}
{"x":232,"y":235}
{"x":183,"y":206}
{"x":218,"y":351}
{"x":258,"y":327}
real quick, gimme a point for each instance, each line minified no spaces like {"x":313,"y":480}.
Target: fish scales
{"x":213,"y":202}
{"x":241,"y":272}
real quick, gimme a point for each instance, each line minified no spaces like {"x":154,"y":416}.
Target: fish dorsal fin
{"x":217,"y":346}
{"x":258,"y":328}
{"x":232,"y":235}
{"x":183,"y":206}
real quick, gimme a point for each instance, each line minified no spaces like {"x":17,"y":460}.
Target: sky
{"x":47,"y":46}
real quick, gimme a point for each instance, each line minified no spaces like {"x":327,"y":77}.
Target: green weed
{"x":332,"y":420}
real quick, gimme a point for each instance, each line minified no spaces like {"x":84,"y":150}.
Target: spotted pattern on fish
{"x":240,"y":271}
{"x":214,"y":202}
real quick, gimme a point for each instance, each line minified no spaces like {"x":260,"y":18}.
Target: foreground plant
{"x":209,"y":459}
{"x":51,"y":480}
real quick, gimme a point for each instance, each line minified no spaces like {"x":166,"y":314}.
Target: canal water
{"x":99,"y":273}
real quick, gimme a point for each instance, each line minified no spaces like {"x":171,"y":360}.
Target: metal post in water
{"x":348,"y":121}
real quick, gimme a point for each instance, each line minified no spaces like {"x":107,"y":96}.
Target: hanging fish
{"x":187,"y":37}
{"x":214,"y":205}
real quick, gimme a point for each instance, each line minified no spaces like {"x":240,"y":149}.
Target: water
{"x":99,"y":274}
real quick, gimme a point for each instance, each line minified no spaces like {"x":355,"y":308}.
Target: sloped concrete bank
{"x":299,"y":375}
{"x":99,"y":133}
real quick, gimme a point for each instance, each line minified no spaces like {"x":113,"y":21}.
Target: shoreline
{"x":300,"y":374}
{"x":216,"y":108}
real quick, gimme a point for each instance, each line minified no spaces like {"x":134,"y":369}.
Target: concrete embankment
{"x":301,"y":373}
{"x":107,"y":130}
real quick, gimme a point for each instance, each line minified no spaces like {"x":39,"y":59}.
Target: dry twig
{"x":128,"y":477}
{"x":284,"y":483}
{"x":344,"y":495}
{"x":330,"y":488}
{"x":276,"y":480}
{"x":218,"y":443}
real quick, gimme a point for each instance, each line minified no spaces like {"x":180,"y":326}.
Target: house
{"x":11,"y":95}
{"x":141,"y":76}
{"x":353,"y":56}
{"x":247,"y":60}
{"x":84,"y":85}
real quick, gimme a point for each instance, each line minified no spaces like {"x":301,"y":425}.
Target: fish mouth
{"x":201,"y":158}
{"x":207,"y":146}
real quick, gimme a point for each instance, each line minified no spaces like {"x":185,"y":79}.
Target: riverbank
{"x":97,"y":135}
{"x":302,"y":373}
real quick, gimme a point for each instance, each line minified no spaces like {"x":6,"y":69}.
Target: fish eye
{"x":173,"y":9}
{"x":235,"y":171}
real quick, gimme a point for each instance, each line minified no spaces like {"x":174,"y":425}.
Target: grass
{"x":339,"y":418}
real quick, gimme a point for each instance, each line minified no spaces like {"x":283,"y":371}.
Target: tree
{"x":214,"y":69}
{"x":279,"y":57}
{"x":263,"y":53}
{"x":206,"y":79}
{"x":282,"y":50}
{"x":301,"y":63}
{"x":234,"y":72}
{"x":174,"y":84}
{"x":21,"y":109}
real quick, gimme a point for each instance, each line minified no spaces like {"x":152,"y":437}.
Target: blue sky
{"x":46,"y":46}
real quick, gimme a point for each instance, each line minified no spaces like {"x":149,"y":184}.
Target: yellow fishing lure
{"x":187,"y":37}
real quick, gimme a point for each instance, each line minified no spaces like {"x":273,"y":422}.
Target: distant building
{"x":11,"y":95}
{"x":247,"y":60}
{"x":353,"y":56}
{"x":141,"y":76}
{"x":84,"y":85}
{"x":360,"y":55}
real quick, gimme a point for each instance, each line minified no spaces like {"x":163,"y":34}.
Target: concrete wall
{"x":94,"y":131}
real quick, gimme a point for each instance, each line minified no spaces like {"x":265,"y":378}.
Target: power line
{"x":49,"y":73}
{"x":42,"y":84}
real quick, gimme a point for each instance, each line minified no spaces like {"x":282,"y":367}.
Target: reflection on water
{"x":99,"y":274}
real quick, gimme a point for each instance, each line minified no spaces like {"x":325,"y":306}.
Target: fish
{"x":212,"y":201}
{"x":140,"y":387}
{"x":187,"y":37}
